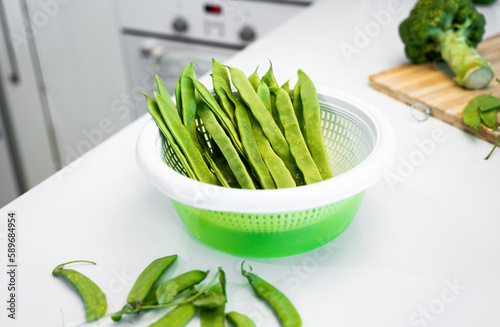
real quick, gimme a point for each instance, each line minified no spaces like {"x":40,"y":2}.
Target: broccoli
{"x":449,"y":30}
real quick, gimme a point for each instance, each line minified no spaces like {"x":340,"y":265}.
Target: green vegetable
{"x":250,"y":145}
{"x":214,"y":315}
{"x":312,"y":131}
{"x":489,"y":118}
{"x":228,"y":149}
{"x":262,"y":115}
{"x":183,"y":138}
{"x":239,"y":320}
{"x":187,"y":103}
{"x":178,"y":317}
{"x":254,"y":79}
{"x":169,"y":289}
{"x":282,"y":306}
{"x":93,"y":297}
{"x":489,"y":104}
{"x":294,"y":137}
{"x":448,"y":30}
{"x":483,"y":2}
{"x":148,"y":278}
{"x":470,"y":115}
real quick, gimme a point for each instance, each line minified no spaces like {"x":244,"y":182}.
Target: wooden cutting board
{"x":433,"y":85}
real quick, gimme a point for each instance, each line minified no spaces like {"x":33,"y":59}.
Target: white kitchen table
{"x":423,"y":249}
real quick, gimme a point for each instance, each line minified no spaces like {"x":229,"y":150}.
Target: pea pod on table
{"x":282,"y":306}
{"x":471,"y":114}
{"x":180,"y":316}
{"x":239,"y":320}
{"x":213,"y":317}
{"x":93,"y":297}
{"x":169,"y":289}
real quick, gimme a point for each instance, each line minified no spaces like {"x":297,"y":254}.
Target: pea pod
{"x":154,"y":111}
{"x":178,"y":317}
{"x":147,"y":279}
{"x":470,"y":115}
{"x":93,"y":297}
{"x":239,"y":320}
{"x":312,"y":125}
{"x":183,"y":138}
{"x":249,"y":144}
{"x":169,"y":289}
{"x":269,"y":126}
{"x":213,"y":317}
{"x":282,"y":306}
{"x":490,"y":104}
{"x":294,"y":137}
{"x":233,"y":159}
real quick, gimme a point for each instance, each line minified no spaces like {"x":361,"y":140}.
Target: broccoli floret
{"x":448,"y":30}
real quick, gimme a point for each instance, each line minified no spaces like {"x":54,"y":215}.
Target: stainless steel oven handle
{"x":14,"y":76}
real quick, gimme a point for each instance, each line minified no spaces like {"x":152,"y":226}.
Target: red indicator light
{"x":213,"y":9}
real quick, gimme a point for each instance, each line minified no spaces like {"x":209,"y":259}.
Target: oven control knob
{"x":247,"y":34}
{"x":180,"y":25}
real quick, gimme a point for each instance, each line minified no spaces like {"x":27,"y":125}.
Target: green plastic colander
{"x":273,"y":223}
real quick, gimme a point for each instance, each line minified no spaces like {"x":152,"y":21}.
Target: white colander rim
{"x":211,"y":197}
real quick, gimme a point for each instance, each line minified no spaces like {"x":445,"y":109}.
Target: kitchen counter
{"x":422,"y":251}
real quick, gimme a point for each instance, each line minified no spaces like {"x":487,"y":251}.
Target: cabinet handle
{"x":14,"y":75}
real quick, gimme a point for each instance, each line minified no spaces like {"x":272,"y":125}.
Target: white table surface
{"x":423,"y":249}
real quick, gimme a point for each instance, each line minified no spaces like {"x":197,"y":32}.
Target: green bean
{"x":169,"y":289}
{"x":187,"y":103}
{"x":270,"y":81}
{"x":286,"y":87}
{"x":249,"y":144}
{"x":220,"y":70}
{"x":183,"y":138}
{"x":220,"y":81}
{"x":217,"y":132}
{"x":297,"y":106}
{"x":155,"y":113}
{"x":470,"y":115}
{"x":265,"y":96}
{"x":294,"y":137}
{"x":212,"y":164}
{"x":239,"y":320}
{"x":178,"y":317}
{"x":213,"y":317}
{"x":269,"y":78}
{"x":223,"y":166}
{"x":178,"y":96}
{"x":224,"y":120}
{"x":281,"y":175}
{"x":282,"y":306}
{"x":147,"y":279}
{"x":262,"y":115}
{"x":254,"y":79}
{"x":312,"y":125}
{"x":93,"y":297}
{"x":162,"y":90}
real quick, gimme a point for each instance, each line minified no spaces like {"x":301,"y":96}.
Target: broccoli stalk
{"x":448,"y":30}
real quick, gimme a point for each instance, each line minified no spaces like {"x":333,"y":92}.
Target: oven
{"x":163,"y":36}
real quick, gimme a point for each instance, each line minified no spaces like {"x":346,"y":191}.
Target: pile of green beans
{"x":182,"y":293}
{"x":256,"y":136}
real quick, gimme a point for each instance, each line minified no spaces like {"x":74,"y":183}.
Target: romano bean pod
{"x":93,"y":297}
{"x":282,"y":306}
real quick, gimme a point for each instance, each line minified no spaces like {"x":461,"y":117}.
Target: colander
{"x":273,"y":223}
